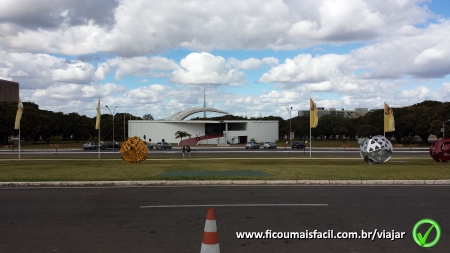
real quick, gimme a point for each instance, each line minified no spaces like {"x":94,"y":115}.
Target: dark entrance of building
{"x":242,"y":139}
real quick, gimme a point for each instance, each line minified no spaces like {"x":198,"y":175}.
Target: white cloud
{"x":71,"y":91}
{"x":247,"y":64}
{"x":150,"y":94}
{"x":205,"y":68}
{"x":50,"y":14}
{"x":341,"y":20}
{"x":271,"y":61}
{"x":102,"y":70}
{"x":42,"y":70}
{"x":85,"y":28}
{"x":70,"y":97}
{"x":400,"y":47}
{"x":425,"y":53}
{"x":156,"y":66}
{"x":306,"y":69}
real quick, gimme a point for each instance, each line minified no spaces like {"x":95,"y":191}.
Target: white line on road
{"x":233,"y":205}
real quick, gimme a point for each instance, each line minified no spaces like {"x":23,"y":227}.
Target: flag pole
{"x":384,"y":118}
{"x":97,"y":126}
{"x":309,"y":142}
{"x":19,"y":143}
{"x":99,"y":144}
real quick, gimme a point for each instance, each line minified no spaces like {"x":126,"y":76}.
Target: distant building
{"x":9,"y":91}
{"x":204,"y":131}
{"x":358,"y":112}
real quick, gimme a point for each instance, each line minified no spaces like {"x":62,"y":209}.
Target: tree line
{"x":38,"y":124}
{"x":420,"y":119}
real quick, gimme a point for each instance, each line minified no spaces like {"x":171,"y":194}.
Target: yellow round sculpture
{"x":134,"y":150}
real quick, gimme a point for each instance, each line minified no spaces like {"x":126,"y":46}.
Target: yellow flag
{"x":18,"y":115}
{"x":97,"y":121}
{"x":313,"y":118}
{"x":389,"y":124}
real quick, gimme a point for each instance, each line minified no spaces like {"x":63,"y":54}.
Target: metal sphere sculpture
{"x":376,"y":150}
{"x":440,"y":150}
{"x":134,"y":150}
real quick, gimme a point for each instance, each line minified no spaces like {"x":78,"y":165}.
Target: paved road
{"x":111,"y":219}
{"x":234,"y":152}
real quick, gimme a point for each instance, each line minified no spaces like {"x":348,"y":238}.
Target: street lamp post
{"x":113,"y":124}
{"x":443,"y":127}
{"x":290,"y":122}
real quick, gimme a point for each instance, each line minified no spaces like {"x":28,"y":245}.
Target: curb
{"x":226,"y":183}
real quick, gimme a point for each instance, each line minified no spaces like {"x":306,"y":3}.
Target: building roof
{"x":188,"y":112}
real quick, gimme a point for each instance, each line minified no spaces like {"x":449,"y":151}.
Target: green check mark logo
{"x":422,"y":240}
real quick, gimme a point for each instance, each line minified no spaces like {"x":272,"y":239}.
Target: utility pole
{"x":290,"y":123}
{"x":204,"y":102}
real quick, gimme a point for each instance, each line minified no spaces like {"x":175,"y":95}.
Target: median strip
{"x":168,"y":183}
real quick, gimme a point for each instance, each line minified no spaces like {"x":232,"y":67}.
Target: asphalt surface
{"x":124,"y":219}
{"x":215,"y":151}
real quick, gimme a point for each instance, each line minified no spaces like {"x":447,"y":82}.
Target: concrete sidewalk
{"x":227,"y":183}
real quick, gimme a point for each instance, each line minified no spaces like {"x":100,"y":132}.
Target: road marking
{"x":233,"y":205}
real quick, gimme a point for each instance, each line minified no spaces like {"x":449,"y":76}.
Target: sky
{"x":252,"y":58}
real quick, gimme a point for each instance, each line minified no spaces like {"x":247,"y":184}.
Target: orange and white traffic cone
{"x":210,"y":243}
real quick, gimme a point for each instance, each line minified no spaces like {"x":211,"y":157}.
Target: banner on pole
{"x":18,"y":115}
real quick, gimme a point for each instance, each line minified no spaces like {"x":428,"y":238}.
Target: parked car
{"x":163,"y":145}
{"x":90,"y":145}
{"x":251,"y":145}
{"x":269,"y":144}
{"x":109,"y":145}
{"x":149,"y":145}
{"x":298,"y":145}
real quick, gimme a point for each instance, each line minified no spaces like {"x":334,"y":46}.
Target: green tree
{"x":351,"y":128}
{"x":7,"y":119}
{"x":148,"y":117}
{"x":32,"y":122}
{"x":181,"y":135}
{"x":365,"y":130}
{"x":422,"y":124}
{"x":300,"y":127}
{"x":331,"y":125}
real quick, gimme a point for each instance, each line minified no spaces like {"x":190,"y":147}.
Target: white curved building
{"x":188,"y":112}
{"x":210,"y":131}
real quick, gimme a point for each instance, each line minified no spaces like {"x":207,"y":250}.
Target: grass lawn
{"x":277,"y":168}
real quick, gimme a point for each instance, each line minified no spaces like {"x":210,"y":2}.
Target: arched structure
{"x":188,"y":112}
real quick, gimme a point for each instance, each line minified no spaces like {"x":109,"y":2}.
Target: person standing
{"x":183,"y":150}
{"x":188,"y":150}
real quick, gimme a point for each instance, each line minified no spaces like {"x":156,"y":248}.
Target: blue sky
{"x":253,"y":58}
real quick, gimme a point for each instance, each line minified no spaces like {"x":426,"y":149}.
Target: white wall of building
{"x":159,"y":129}
{"x":156,"y":130}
